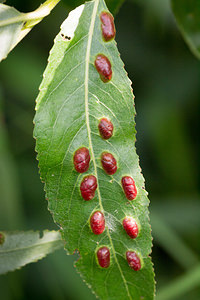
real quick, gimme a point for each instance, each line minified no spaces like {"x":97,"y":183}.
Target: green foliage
{"x":20,"y":248}
{"x":8,"y":34}
{"x":187,"y":14}
{"x":181,"y":285}
{"x":166,"y":80}
{"x":15,"y":25}
{"x":71,"y":101}
{"x":164,"y":235}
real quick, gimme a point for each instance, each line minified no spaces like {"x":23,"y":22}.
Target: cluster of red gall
{"x":82,"y":160}
{"x":102,"y":63}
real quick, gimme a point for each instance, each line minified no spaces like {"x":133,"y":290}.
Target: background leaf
{"x":8,"y":34}
{"x":187,"y":15}
{"x":14,"y":26}
{"x":20,"y":248}
{"x":71,"y":101}
{"x":177,"y":288}
{"x":169,"y":240}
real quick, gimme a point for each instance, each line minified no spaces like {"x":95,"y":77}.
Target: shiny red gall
{"x":131,"y":227}
{"x":103,"y":67}
{"x":133,"y":260}
{"x":97,"y":222}
{"x":107,"y":26}
{"x":88,"y":187}
{"x":82,"y":160}
{"x":103,"y":256}
{"x":129,"y":187}
{"x":109,"y":163}
{"x":105,"y":128}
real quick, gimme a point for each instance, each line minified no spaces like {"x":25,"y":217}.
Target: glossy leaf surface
{"x":72,"y":101}
{"x":20,"y":248}
{"x":187,"y":15}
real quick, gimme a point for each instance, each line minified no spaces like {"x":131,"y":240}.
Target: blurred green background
{"x":166,"y":82}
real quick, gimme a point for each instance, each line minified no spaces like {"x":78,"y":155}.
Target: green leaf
{"x":187,"y":15}
{"x":10,"y":33}
{"x":14,"y":26}
{"x":167,"y":238}
{"x":71,"y":101}
{"x":20,"y":248}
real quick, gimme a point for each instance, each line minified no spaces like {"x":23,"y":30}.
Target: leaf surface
{"x":20,"y":248}
{"x":71,"y":102}
{"x":187,"y":15}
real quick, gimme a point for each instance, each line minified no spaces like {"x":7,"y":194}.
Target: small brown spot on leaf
{"x":2,"y":238}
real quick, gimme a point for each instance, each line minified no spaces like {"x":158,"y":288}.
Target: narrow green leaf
{"x":71,"y":102}
{"x":180,"y":286}
{"x":169,"y":240}
{"x":187,"y":15}
{"x":10,"y":33}
{"x":13,"y":27}
{"x":20,"y":248}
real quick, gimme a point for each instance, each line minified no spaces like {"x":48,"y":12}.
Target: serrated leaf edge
{"x":27,"y":232}
{"x":95,"y":168}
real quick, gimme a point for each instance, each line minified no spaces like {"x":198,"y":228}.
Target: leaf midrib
{"x":87,"y":61}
